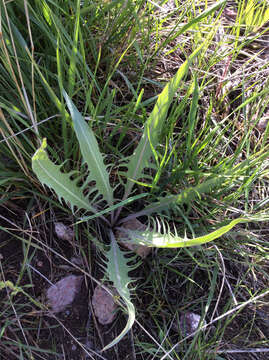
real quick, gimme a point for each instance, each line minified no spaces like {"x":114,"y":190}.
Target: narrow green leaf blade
{"x":153,"y":127}
{"x":111,"y":208}
{"x":90,"y":152}
{"x":50,"y":174}
{"x":73,"y":58}
{"x":188,"y":195}
{"x":192,"y":118}
{"x":117,"y":270}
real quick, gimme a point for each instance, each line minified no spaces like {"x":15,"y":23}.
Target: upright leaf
{"x":117,"y":270}
{"x":50,"y":174}
{"x":90,"y":152}
{"x":73,"y":58}
{"x":153,"y":127}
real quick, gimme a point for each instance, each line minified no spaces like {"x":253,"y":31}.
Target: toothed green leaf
{"x":50,"y":174}
{"x":168,"y":240}
{"x":117,"y":270}
{"x":90,"y":152}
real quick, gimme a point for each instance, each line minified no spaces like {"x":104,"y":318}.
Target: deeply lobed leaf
{"x":168,"y":240}
{"x":90,"y":152}
{"x":117,"y":271}
{"x":50,"y":174}
{"x":165,"y":203}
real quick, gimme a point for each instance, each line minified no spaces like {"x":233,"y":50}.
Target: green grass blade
{"x":185,"y":197}
{"x":73,"y":57}
{"x":50,"y":174}
{"x":150,"y":138}
{"x":117,"y":270}
{"x":203,"y":15}
{"x":90,"y":152}
{"x":192,"y":118}
{"x":111,"y":208}
{"x":192,"y":23}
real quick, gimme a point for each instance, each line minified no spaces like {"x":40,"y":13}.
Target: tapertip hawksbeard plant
{"x":84,"y":196}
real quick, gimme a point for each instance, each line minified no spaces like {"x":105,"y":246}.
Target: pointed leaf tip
{"x":40,"y":153}
{"x":44,"y":143}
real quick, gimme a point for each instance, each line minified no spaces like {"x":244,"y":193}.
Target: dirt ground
{"x":75,"y":332}
{"x":57,"y":332}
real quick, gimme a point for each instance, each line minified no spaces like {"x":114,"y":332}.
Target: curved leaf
{"x":117,"y":270}
{"x":90,"y":152}
{"x":156,"y":239}
{"x":50,"y":174}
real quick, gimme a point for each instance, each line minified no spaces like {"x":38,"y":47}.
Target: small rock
{"x":188,"y":323}
{"x":262,"y":124}
{"x":77,"y":260}
{"x":103,"y":305}
{"x":63,"y":292}
{"x":64,"y":232}
{"x":133,"y":224}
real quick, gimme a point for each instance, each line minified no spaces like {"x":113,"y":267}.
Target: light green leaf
{"x":50,"y":174}
{"x":153,"y":127}
{"x":168,"y":240}
{"x":90,"y":152}
{"x":117,"y":270}
{"x":111,"y":208}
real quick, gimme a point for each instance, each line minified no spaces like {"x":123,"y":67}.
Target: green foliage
{"x":66,"y":188}
{"x":210,"y":159}
{"x":153,"y":127}
{"x":254,"y":14}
